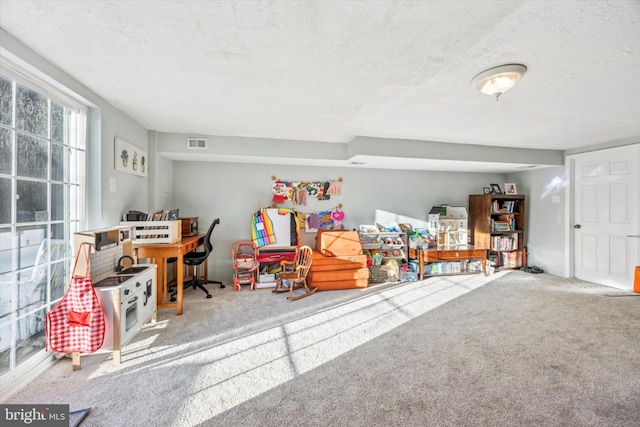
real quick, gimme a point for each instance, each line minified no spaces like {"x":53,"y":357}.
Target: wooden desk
{"x":158,"y":254}
{"x":463,"y":253}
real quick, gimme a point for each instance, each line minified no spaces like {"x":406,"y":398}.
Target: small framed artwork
{"x":311,"y":225}
{"x":486,"y":190}
{"x":130,"y":159}
{"x":510,"y":188}
{"x":495,"y":189}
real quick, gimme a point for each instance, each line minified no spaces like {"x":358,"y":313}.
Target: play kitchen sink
{"x":128,"y":301}
{"x":133,"y":270}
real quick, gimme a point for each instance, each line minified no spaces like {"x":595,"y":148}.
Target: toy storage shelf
{"x":391,"y":245}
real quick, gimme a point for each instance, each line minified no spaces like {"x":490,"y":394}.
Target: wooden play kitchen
{"x":126,"y":292}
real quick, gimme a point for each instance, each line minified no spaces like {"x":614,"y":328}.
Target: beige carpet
{"x":511,"y":349}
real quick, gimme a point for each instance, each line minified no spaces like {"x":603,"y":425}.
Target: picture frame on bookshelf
{"x":510,"y":188}
{"x":486,"y":190}
{"x":495,"y":188}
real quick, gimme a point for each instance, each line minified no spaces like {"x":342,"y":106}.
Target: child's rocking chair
{"x":294,"y":275}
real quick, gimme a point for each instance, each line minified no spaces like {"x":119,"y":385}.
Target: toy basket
{"x":377,"y":274}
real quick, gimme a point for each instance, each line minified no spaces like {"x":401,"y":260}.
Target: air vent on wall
{"x":196,"y":143}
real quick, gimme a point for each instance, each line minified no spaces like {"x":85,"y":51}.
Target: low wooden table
{"x":158,"y":254}
{"x":459,"y":253}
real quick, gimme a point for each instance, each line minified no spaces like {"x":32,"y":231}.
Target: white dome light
{"x":498,"y":80}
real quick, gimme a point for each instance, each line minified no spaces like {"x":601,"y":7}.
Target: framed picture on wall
{"x":510,"y":188}
{"x":495,"y":189}
{"x":130,"y":159}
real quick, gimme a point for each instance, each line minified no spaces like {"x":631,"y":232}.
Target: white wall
{"x":131,"y":190}
{"x":160,"y":176}
{"x":232,"y":192}
{"x":545,"y":216}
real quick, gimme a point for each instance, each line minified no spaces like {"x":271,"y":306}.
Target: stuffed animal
{"x":392,"y":270}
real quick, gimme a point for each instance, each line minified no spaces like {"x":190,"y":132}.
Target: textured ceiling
{"x":332,"y":70}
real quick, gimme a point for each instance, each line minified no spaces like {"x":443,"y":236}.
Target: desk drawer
{"x":430,"y":256}
{"x":190,"y":247}
{"x":463,"y":254}
{"x":427,"y":255}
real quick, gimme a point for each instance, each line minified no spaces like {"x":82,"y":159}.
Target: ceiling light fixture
{"x":496,"y":81}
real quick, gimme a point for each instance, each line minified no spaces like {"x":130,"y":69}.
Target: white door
{"x":606,"y":220}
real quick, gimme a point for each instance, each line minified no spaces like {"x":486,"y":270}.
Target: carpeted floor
{"x":513,"y":349}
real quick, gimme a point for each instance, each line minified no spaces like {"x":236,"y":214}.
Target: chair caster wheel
{"x":209,"y":296}
{"x":221,"y":286}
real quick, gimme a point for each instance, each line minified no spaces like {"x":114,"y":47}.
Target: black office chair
{"x":195,"y":258}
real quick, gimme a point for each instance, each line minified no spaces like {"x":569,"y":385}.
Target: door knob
{"x":577,"y":226}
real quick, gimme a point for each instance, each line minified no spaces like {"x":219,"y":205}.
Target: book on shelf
{"x":501,"y":226}
{"x":504,"y":243}
{"x":505,"y":223}
{"x":507,"y":206}
{"x":511,"y":219}
{"x":511,"y":259}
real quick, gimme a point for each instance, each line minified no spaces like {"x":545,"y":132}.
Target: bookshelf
{"x":497,"y":223}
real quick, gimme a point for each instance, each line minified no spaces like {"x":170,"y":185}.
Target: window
{"x":42,"y":169}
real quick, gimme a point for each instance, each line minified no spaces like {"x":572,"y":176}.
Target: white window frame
{"x":26,"y":75}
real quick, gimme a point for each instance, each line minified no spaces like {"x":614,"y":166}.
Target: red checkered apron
{"x":76,"y":323}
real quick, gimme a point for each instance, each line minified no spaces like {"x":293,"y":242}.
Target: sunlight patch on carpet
{"x":234,"y":372}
